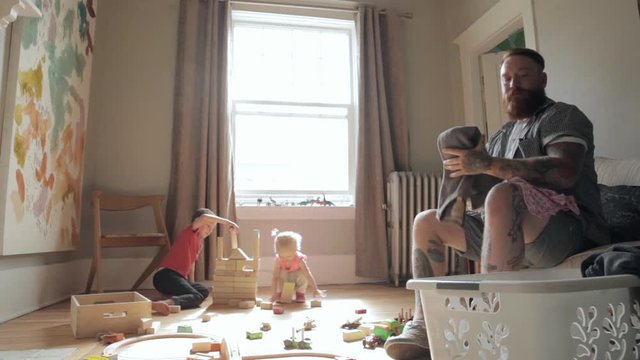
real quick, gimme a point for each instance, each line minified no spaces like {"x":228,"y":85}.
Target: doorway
{"x":499,"y":23}
{"x":490,"y":63}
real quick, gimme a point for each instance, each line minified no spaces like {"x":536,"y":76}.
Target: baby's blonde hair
{"x":287,"y":238}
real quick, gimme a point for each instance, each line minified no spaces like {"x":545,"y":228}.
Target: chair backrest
{"x":121,"y":203}
{"x":113,"y":202}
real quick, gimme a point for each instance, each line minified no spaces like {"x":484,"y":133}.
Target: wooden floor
{"x":50,"y":327}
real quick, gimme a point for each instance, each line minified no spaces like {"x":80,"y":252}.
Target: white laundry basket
{"x":532,"y":315}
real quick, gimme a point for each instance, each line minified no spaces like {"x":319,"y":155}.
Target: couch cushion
{"x":618,"y":171}
{"x":621,"y":211}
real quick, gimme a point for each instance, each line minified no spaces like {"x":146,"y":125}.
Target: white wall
{"x":592,"y":48}
{"x":592,"y":52}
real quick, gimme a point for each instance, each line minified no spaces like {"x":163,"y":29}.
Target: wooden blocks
{"x":184,"y":329}
{"x":254,"y":335}
{"x":206,"y":317}
{"x":174,"y":309}
{"x":145,"y":323}
{"x":247,"y":304}
{"x":266,"y":305}
{"x":287,"y":292}
{"x":235,"y":278}
{"x":353,"y":335}
{"x":278,"y":310}
{"x":316,"y":303}
{"x":205,"y":346}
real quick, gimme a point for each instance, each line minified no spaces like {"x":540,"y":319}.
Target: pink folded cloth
{"x":543,"y":202}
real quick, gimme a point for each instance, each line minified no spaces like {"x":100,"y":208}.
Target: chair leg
{"x":155,"y":262}
{"x":92,"y":274}
{"x":98,"y":260}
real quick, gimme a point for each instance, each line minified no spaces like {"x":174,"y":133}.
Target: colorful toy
{"x":351,"y":324}
{"x":111,"y":337}
{"x":235,"y":278}
{"x":361,"y":311}
{"x":309,"y":324}
{"x":292,"y":343}
{"x":386,"y":328}
{"x":265,"y":326}
{"x":372,"y":342}
{"x":278,"y":310}
{"x":316,"y":303}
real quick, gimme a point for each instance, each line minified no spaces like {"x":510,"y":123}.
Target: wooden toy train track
{"x":178,"y":346}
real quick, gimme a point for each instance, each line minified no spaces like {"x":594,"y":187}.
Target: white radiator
{"x":408,"y":193}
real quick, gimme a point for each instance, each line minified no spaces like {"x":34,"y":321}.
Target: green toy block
{"x":184,"y":329}
{"x":254,"y":335}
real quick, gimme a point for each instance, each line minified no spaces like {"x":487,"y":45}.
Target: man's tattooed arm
{"x":558,"y":170}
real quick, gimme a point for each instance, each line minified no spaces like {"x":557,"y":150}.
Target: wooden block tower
{"x":235,"y":278}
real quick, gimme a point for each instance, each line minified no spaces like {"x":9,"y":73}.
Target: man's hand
{"x":469,"y":161}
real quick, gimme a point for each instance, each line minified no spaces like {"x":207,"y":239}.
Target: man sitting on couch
{"x":544,"y":206}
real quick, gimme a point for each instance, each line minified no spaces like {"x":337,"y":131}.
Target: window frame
{"x":292,"y":197}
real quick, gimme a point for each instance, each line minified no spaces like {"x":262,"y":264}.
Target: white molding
{"x":489,"y":30}
{"x":11,"y":9}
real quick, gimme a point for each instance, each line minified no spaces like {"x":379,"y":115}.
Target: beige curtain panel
{"x":383,"y":135}
{"x":201,"y":170}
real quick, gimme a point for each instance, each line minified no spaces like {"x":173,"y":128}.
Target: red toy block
{"x":278,"y":310}
{"x":361,"y":311}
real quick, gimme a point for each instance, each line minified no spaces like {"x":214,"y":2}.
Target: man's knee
{"x":425,"y":220}
{"x":500,"y":199}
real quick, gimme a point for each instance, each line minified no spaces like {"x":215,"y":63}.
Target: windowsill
{"x":296,"y":212}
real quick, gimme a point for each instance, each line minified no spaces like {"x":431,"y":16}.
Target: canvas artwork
{"x":44,"y":127}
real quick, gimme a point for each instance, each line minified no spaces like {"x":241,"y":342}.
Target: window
{"x":293,"y":108}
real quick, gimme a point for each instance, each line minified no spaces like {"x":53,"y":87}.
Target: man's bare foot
{"x":162,"y":306}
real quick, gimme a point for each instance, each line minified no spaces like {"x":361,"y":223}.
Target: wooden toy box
{"x":531,"y":315}
{"x":119,"y":312}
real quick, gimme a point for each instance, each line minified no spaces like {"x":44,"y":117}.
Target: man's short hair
{"x":531,"y":54}
{"x":200,"y":212}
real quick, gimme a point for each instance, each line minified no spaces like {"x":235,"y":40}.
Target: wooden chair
{"x":123,"y":203}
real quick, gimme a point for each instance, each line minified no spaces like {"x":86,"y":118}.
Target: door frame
{"x":484,"y":34}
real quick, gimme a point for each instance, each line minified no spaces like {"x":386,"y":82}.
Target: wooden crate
{"x":119,"y":312}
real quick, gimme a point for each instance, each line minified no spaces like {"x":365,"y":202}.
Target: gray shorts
{"x":562,"y":237}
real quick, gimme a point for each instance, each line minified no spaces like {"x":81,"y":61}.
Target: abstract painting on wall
{"x":44,"y":127}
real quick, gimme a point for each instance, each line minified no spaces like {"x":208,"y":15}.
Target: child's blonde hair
{"x":287,"y":238}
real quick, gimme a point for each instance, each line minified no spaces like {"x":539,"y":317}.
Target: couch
{"x":619,"y":183}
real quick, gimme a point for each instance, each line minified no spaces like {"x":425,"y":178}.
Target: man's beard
{"x":523,"y":103}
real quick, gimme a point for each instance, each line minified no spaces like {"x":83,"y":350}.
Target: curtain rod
{"x":405,"y":15}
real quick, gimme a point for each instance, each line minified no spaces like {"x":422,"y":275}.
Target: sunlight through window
{"x":292,"y":90}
